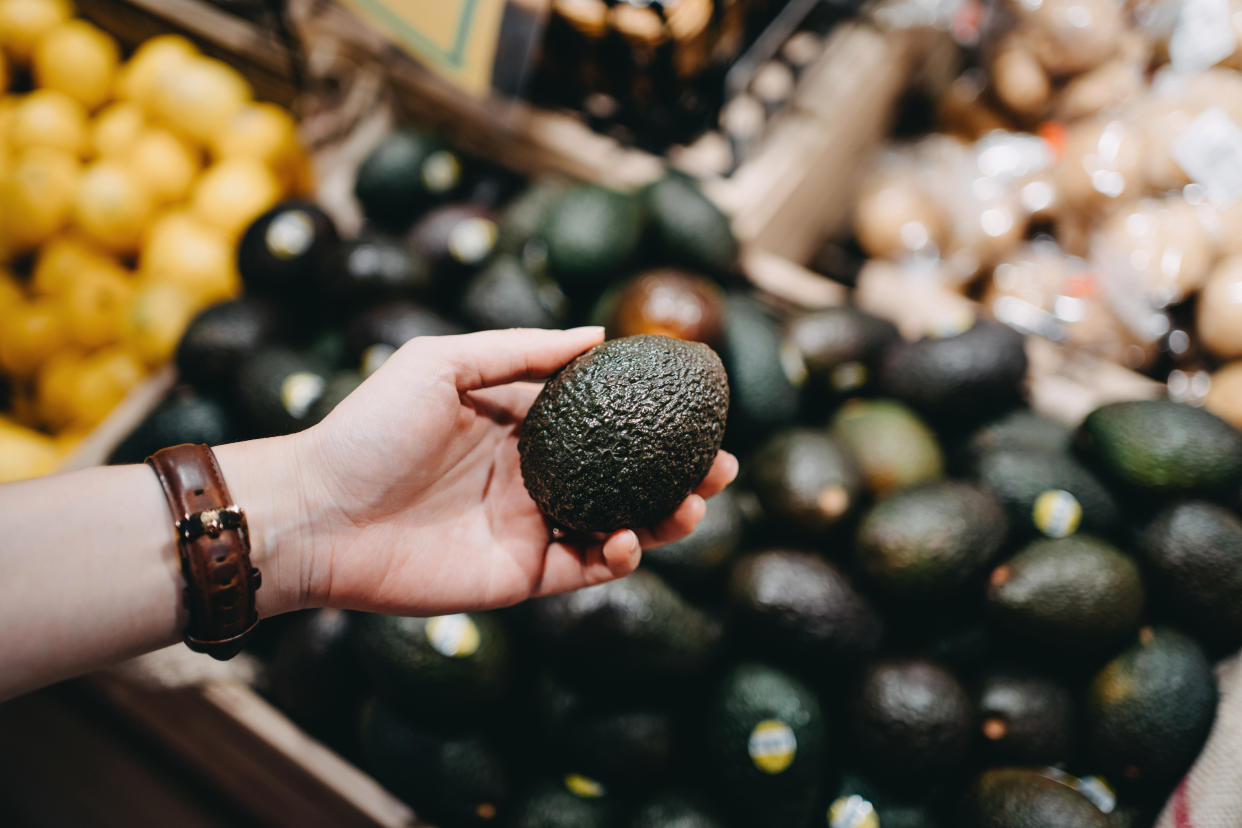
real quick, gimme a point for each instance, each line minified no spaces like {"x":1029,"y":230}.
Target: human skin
{"x":407,"y":499}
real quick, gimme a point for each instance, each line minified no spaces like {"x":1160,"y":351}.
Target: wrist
{"x":264,"y":479}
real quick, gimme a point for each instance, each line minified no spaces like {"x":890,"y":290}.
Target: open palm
{"x":420,"y":501}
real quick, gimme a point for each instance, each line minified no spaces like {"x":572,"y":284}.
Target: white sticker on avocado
{"x":1057,"y":513}
{"x":772,"y":746}
{"x":852,"y":812}
{"x":1098,"y":791}
{"x":299,"y":391}
{"x":583,"y":786}
{"x":848,"y":375}
{"x":290,"y":234}
{"x":471,"y":240}
{"x":441,"y":171}
{"x":455,"y":636}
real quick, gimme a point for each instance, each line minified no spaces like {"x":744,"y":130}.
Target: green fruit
{"x":911,"y":721}
{"x":221,"y":338}
{"x":1149,"y":710}
{"x":1025,"y":718}
{"x":859,"y":803}
{"x":764,"y":399}
{"x":894,"y":448}
{"x":1077,"y":594}
{"x":675,"y":810}
{"x":589,"y":234}
{"x":1020,"y":430}
{"x":554,"y":805}
{"x":183,"y":416}
{"x":453,"y":781}
{"x":314,"y":674}
{"x":708,"y":550}
{"x":281,"y":251}
{"x":1021,"y":798}
{"x":432,"y":667}
{"x":372,"y":269}
{"x":632,"y":632}
{"x":505,"y":295}
{"x":969,"y":375}
{"x":805,"y":480}
{"x":403,"y":175}
{"x":799,"y":606}
{"x":621,"y":748}
{"x":930,"y":541}
{"x":766,"y":745}
{"x":840,"y":347}
{"x":278,"y":388}
{"x":621,"y":435}
{"x":1193,"y":551}
{"x":688,"y":228}
{"x":1163,"y":447}
{"x":1048,"y":493}
{"x":519,"y":222}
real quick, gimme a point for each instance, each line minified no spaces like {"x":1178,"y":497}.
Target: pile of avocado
{"x":921,"y":605}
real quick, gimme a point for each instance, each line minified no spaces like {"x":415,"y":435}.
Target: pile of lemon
{"x":124,"y":186}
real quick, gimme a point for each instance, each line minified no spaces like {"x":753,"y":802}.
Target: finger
{"x":487,"y":358}
{"x":567,"y":566}
{"x":723,"y":472}
{"x":505,"y":402}
{"x":677,"y":525}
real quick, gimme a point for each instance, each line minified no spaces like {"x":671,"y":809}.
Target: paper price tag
{"x":1202,"y":37}
{"x":1210,"y":151}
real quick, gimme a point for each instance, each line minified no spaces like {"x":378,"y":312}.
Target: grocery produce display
{"x":922,"y":604}
{"x":1077,"y":183}
{"x":125,"y":181}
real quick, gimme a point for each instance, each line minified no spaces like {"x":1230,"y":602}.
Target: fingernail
{"x":737,"y":466}
{"x":633,"y":545}
{"x":698,"y":505}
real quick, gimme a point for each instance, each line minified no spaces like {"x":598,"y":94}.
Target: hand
{"x":416,"y":494}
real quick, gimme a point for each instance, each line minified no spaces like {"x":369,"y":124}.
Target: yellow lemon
{"x":185,"y":251}
{"x":103,"y":380}
{"x":54,"y":388}
{"x":4,"y":73}
{"x":199,"y":96}
{"x":116,"y":129}
{"x":11,"y":293}
{"x":61,"y":260}
{"x":267,"y":133}
{"x":165,"y":163}
{"x":79,"y":59}
{"x":96,"y":304}
{"x":112,"y":206}
{"x":48,"y":118}
{"x":31,"y":333}
{"x":36,"y":198}
{"x":154,"y":59}
{"x":25,"y":453}
{"x":157,"y":318}
{"x":23,"y":22}
{"x":233,"y":192}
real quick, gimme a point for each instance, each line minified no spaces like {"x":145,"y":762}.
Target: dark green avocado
{"x":1019,"y":430}
{"x":554,"y":804}
{"x":930,"y":541}
{"x":805,"y":481}
{"x":1076,"y":594}
{"x":280,"y":253}
{"x":430,"y":668}
{"x":1149,"y":710}
{"x":798,"y":606}
{"x":708,"y":550}
{"x":635,"y":632}
{"x":278,"y":388}
{"x":521,"y":218}
{"x":621,"y":435}
{"x":404,"y":174}
{"x":451,"y":781}
{"x":894,"y":448}
{"x":675,"y":810}
{"x":968,"y":376}
{"x":505,"y":295}
{"x":183,"y":416}
{"x":1048,"y":493}
{"x":589,"y":234}
{"x":860,"y":803}
{"x":911,"y":721}
{"x":766,"y":745}
{"x":764,"y":398}
{"x":1163,"y":447}
{"x":1193,"y":552}
{"x":455,"y":239}
{"x":372,"y":269}
{"x":840,"y":347}
{"x":625,"y":748}
{"x":688,"y":228}
{"x":1023,"y":798}
{"x":314,"y":674}
{"x":221,"y":338}
{"x":389,"y":326}
{"x":1025,"y":718}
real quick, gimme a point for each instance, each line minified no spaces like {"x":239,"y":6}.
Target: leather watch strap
{"x":214,"y":546}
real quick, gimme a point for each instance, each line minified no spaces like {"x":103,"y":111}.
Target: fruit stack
{"x":124,"y":185}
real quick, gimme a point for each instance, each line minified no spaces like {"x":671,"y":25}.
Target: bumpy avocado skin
{"x":624,"y":433}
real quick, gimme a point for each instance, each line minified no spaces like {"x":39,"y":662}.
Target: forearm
{"x":91,"y":571}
